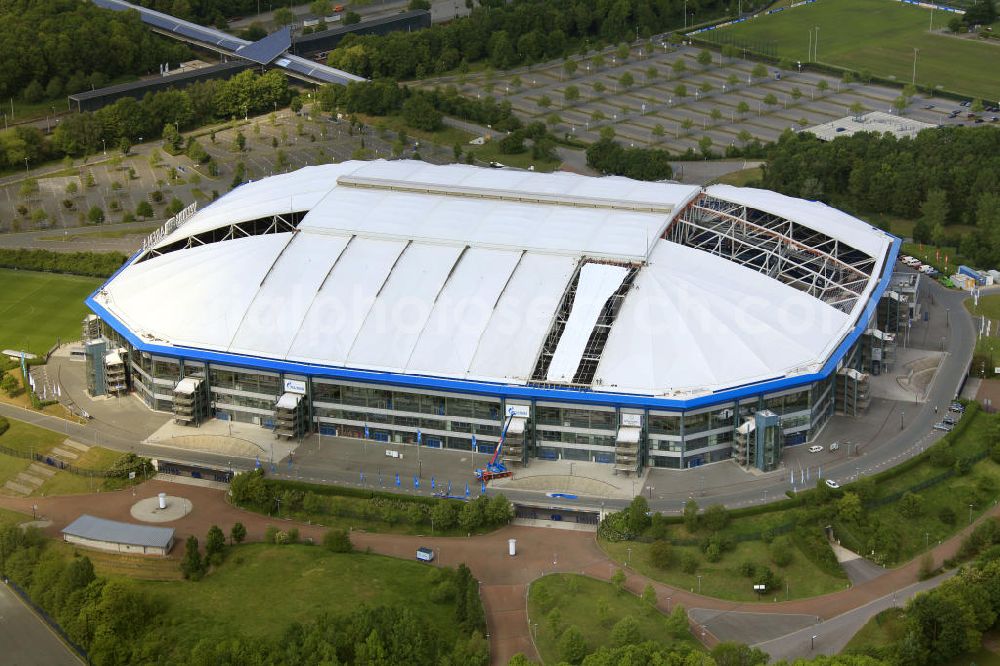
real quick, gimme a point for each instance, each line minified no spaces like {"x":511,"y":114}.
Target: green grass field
{"x":878,"y":36}
{"x":260,"y":589}
{"x":38,"y":308}
{"x":592,"y":606}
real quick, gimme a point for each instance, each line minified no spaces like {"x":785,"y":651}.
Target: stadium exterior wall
{"x":570,"y":424}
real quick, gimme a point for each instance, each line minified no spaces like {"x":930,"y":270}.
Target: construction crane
{"x":495,"y":469}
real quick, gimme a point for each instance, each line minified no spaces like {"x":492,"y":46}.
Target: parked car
{"x":941,"y":425}
{"x":816,"y":448}
{"x":956,"y":407}
{"x":928,"y":106}
{"x":425,"y":554}
{"x":835,"y":446}
{"x":830,"y":483}
{"x":949,"y":419}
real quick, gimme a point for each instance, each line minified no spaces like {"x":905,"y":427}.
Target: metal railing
{"x":169,"y":226}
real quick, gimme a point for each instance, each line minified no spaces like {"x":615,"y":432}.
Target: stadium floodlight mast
{"x":915,"y":52}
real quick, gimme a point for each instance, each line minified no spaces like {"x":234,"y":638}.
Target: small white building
{"x":113,"y":536}
{"x":878,"y":122}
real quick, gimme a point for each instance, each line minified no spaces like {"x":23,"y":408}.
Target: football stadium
{"x":587,"y":319}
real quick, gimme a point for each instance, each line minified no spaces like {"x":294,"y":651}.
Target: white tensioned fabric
{"x":596,"y":285}
{"x":197,"y":297}
{"x":277,"y":310}
{"x":288,"y":400}
{"x":337,"y":313}
{"x":277,"y":195}
{"x":400,"y":312}
{"x":461,"y":313}
{"x":695,"y":322}
{"x":813,"y":214}
{"x":520,"y":323}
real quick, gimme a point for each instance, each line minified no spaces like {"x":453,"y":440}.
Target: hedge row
{"x":90,"y":264}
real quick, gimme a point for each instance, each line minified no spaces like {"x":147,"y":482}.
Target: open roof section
{"x":223,"y":42}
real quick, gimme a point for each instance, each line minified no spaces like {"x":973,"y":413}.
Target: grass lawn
{"x":28,"y":438}
{"x":741,"y":178}
{"x":592,"y":606}
{"x":38,"y":308}
{"x":935,"y":256}
{"x":447,"y":136}
{"x":723,"y":579}
{"x":7,"y":517}
{"x":878,"y":36}
{"x":9,"y":468}
{"x":490,"y":152}
{"x":136,"y":567}
{"x":989,"y":306}
{"x":260,"y":589}
{"x":882,"y":630}
{"x":110,"y":233}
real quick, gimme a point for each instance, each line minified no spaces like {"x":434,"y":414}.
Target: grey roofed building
{"x":111,"y":531}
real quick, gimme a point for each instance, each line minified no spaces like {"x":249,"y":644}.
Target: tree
{"x":849,"y":507}
{"x":571,"y":93}
{"x":597,"y":61}
{"x":626,"y":80}
{"x":337,"y":541}
{"x":638,"y":520}
{"x":215,"y":544}
{"x":770,"y":99}
{"x":977,"y":106}
{"x":545,"y":101}
{"x":955,"y":24}
{"x":857,"y":109}
{"x":678,"y":67}
{"x":618,"y":579}
{"x":716,"y":517}
{"x":238,"y":533}
{"x":192,"y":565}
{"x":419,"y":113}
{"x":659,"y":131}
{"x":661,"y":554}
{"x":744,"y":136}
{"x":732,"y":80}
{"x":759,"y":71}
{"x":911,"y":505}
{"x":144,"y":209}
{"x":940,"y":626}
{"x":743,"y":107}
{"x":899,"y":104}
{"x":623,"y":51}
{"x":822,"y":86}
{"x":796,"y":93}
{"x":320,"y":7}
{"x":704,"y":57}
{"x":240,"y":141}
{"x":706,"y":87}
{"x":284,"y":16}
{"x":681,"y":90}
{"x":716,"y":115}
{"x":626,"y":632}
{"x":572,"y":646}
{"x":570,"y":67}
{"x":649,"y":595}
{"x":651,"y":73}
{"x":737,"y":654}
{"x":598,"y":87}
{"x":95,"y":215}
{"x":691,"y":515}
{"x":499,"y":511}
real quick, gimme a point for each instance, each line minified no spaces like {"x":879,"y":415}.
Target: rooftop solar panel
{"x":266,"y":50}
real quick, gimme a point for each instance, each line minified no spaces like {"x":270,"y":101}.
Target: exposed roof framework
{"x":784,"y":249}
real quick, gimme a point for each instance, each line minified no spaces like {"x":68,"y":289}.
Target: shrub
{"x":715,"y":518}
{"x":337,"y":541}
{"x":947,"y":515}
{"x":238,"y":533}
{"x":748,"y":569}
{"x":689,"y":563}
{"x":661,"y":554}
{"x":781,"y":551}
{"x":4,"y":423}
{"x":625,"y":632}
{"x":271,"y":534}
{"x":713,"y":553}
{"x":572,"y":646}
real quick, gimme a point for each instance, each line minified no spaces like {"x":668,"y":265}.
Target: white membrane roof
{"x":460,"y":272}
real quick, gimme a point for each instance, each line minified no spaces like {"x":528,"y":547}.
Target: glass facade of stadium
{"x":550,"y":430}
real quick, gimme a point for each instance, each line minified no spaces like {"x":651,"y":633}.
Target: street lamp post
{"x":901,"y":415}
{"x":970,"y":513}
{"x":699,"y":583}
{"x":812,"y":642}
{"x":915,"y":51}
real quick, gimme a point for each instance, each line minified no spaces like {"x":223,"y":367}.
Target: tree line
{"x":508,"y":33}
{"x":60,"y":47}
{"x":91,"y":264}
{"x":252,"y":490}
{"x":942,"y":178}
{"x":610,"y":157}
{"x":128,"y":120}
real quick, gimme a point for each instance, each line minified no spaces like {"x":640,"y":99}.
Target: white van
{"x":425,"y":554}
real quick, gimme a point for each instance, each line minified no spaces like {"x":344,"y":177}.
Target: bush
{"x":661,"y":554}
{"x":947,"y":515}
{"x":271,"y":534}
{"x":572,"y":646}
{"x":748,"y":569}
{"x":337,"y":541}
{"x":781,"y":551}
{"x":689,"y":563}
{"x":4,"y":423}
{"x":713,"y":553}
{"x":715,"y":518}
{"x":93,"y":264}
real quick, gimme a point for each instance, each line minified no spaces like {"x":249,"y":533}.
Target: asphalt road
{"x":25,"y":639}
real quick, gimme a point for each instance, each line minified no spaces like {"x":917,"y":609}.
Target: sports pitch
{"x":878,"y":36}
{"x":37,"y":308}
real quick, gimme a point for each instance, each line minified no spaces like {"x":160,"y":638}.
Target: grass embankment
{"x":26,"y":438}
{"x":593,"y":607}
{"x":143,"y":230}
{"x":36,"y":309}
{"x":723,"y":579}
{"x":741,"y":178}
{"x":260,"y":589}
{"x":947,"y":490}
{"x":876,"y":36}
